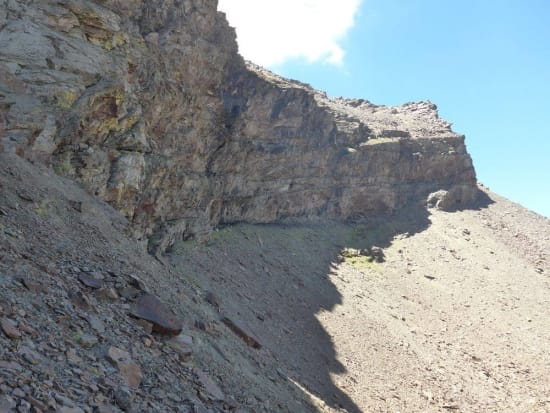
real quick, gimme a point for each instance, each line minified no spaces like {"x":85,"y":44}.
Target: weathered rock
{"x":88,"y":340}
{"x":211,"y":388}
{"x":123,"y":399}
{"x":182,"y":344}
{"x":30,"y":355}
{"x":150,"y":308}
{"x":243,"y":331}
{"x":90,"y":281}
{"x":107,"y":293}
{"x":96,"y":323}
{"x":27,"y":329}
{"x":7,"y":404}
{"x":128,"y":292}
{"x":212,"y":299}
{"x":99,"y":91}
{"x":128,"y":369}
{"x":10,"y":365}
{"x":105,"y":408}
{"x":9,"y":328}
{"x":32,"y":285}
{"x":459,"y":196}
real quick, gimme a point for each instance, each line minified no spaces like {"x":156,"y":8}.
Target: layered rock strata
{"x":149,"y":106}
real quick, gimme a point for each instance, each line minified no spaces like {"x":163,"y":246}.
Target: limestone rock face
{"x":150,"y":107}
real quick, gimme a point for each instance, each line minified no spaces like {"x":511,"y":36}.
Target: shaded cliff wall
{"x":150,"y":107}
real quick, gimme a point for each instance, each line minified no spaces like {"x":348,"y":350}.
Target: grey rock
{"x":96,"y":323}
{"x":88,"y":340}
{"x":210,"y":387}
{"x":123,"y":399}
{"x":7,"y":404}
{"x":150,"y":308}
{"x":99,"y":91}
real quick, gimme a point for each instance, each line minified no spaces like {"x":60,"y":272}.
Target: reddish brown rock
{"x":150,"y":308}
{"x":27,"y":329}
{"x":128,"y":369}
{"x":9,"y":328}
{"x":243,"y":331}
{"x":32,"y":285}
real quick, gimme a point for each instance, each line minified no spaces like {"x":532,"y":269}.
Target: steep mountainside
{"x":426,"y":311}
{"x":303,"y":256}
{"x":149,"y":106}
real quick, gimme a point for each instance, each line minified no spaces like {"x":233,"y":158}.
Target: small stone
{"x":66,"y":409}
{"x":38,"y":405}
{"x":136,"y":282}
{"x":97,"y":275}
{"x":9,"y":328}
{"x":76,"y":205}
{"x":90,"y":281}
{"x":24,"y":406}
{"x":108,"y":293}
{"x":18,"y":393}
{"x":105,"y":408}
{"x":88,"y":340}
{"x":30,"y":356}
{"x":183,"y":349}
{"x":10,"y":365}
{"x":129,"y":292}
{"x":150,"y":308}
{"x":65,"y":401}
{"x":72,"y":357}
{"x":123,"y":399}
{"x":33,"y":286}
{"x":243,"y":331}
{"x":212,"y":299}
{"x":213,"y":390}
{"x":128,"y":369}
{"x":27,"y":329}
{"x":146,"y":325}
{"x":7,"y":404}
{"x":80,"y":300}
{"x":24,"y":195}
{"x":96,"y":323}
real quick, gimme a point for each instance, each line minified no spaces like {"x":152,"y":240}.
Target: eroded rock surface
{"x":150,"y":107}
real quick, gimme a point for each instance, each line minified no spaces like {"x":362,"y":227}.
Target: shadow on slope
{"x":276,"y":279}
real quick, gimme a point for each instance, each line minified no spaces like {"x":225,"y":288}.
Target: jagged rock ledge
{"x":149,"y":106}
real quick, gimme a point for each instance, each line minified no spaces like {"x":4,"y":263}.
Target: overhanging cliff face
{"x":150,"y":107}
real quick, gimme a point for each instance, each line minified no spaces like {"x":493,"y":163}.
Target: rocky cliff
{"x":149,"y":106}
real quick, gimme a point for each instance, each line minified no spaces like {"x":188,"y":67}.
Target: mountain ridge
{"x":149,"y":106}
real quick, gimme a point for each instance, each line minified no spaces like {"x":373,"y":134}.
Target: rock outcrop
{"x":149,"y":106}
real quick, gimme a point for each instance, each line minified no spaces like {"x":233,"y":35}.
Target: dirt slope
{"x":58,"y":330}
{"x":454,"y":318}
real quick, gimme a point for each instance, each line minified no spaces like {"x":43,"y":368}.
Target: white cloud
{"x":270,"y":32}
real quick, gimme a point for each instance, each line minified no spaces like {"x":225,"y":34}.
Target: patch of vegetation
{"x":42,"y":209}
{"x":362,"y":259}
{"x":77,"y":336}
{"x":362,"y":263}
{"x":66,"y":98}
{"x":63,"y":168}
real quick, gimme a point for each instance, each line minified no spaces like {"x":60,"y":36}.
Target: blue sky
{"x":486,"y":64}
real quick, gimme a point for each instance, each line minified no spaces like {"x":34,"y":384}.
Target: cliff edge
{"x":150,"y":107}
